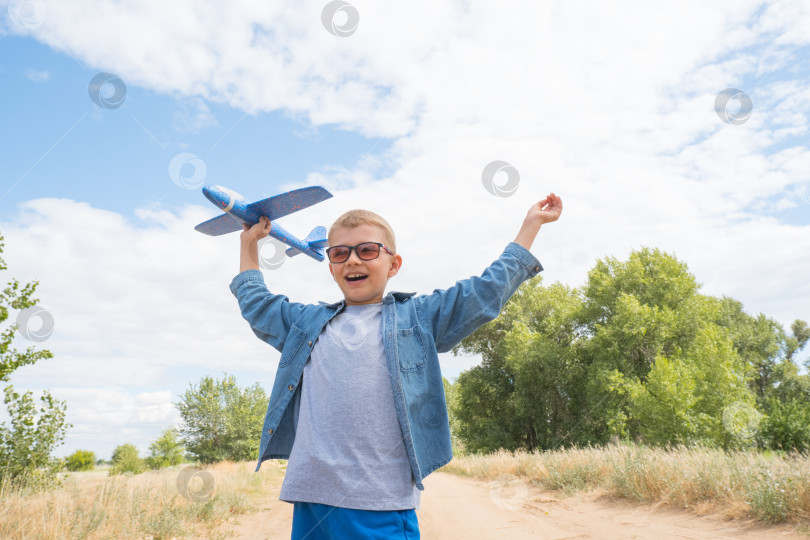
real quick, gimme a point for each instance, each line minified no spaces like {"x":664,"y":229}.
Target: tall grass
{"x":92,"y":505}
{"x":772,"y":488}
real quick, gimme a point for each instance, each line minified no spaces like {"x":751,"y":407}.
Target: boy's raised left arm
{"x":454,"y":313}
{"x":545,"y":211}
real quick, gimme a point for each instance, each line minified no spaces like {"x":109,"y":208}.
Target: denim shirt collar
{"x":389,"y":298}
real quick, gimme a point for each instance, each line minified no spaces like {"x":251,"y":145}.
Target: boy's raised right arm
{"x":270,"y":315}
{"x":250,"y":236}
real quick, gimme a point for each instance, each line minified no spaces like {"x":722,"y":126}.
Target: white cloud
{"x":37,"y":75}
{"x":608,"y":105}
{"x":193,"y":116}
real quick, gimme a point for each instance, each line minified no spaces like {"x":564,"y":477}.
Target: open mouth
{"x":356,"y":277}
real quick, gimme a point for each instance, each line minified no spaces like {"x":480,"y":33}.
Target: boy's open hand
{"x":545,"y":211}
{"x":257,"y":231}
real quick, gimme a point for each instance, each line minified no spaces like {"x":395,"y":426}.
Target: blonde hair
{"x":355,"y":218}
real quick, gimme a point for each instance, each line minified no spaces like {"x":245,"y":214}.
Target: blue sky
{"x":64,"y":145}
{"x":610,"y":107}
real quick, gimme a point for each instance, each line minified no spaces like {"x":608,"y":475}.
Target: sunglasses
{"x":366,"y":251}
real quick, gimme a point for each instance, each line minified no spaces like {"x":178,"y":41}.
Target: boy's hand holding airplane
{"x":238,"y":212}
{"x":257,"y":231}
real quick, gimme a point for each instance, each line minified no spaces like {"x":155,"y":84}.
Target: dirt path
{"x":455,"y":508}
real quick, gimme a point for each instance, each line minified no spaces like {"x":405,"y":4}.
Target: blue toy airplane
{"x":238,"y":211}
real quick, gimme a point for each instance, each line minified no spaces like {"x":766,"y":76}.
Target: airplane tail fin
{"x":316,"y":240}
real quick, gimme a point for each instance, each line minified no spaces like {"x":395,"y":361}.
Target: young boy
{"x":357,"y":405}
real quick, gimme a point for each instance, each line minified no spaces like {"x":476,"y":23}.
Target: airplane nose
{"x":215,"y":195}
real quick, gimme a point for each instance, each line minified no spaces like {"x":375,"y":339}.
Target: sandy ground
{"x":456,"y":508}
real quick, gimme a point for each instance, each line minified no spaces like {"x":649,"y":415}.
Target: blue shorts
{"x":314,"y":521}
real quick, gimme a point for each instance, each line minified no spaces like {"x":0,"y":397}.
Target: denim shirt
{"x":414,"y":329}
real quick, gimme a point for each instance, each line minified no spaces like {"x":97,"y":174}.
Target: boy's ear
{"x":396,"y":264}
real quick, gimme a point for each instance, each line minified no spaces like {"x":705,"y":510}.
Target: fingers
{"x":260,"y":229}
{"x":551,"y":202}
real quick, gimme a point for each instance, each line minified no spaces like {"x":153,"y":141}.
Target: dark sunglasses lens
{"x":368,"y":251}
{"x":338,"y":254}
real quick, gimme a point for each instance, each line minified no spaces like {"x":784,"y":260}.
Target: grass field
{"x":93,"y":505}
{"x":172,"y":503}
{"x":768,"y":487}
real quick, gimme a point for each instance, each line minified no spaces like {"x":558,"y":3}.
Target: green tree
{"x":683,"y":399}
{"x":27,"y":444}
{"x":28,"y":441}
{"x":633,"y":312}
{"x":636,"y":353}
{"x":787,"y":425}
{"x":221,"y":421}
{"x":524,"y":393}
{"x":125,"y":458}
{"x":80,"y":460}
{"x":760,"y":342}
{"x":800,"y":337}
{"x":771,"y":354}
{"x":166,"y":451}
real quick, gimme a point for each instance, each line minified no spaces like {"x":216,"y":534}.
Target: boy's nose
{"x":353,"y":257}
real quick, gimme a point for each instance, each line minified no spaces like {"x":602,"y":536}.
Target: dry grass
{"x":92,"y":505}
{"x":770,"y":488}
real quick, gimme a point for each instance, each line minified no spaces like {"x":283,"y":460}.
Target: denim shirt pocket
{"x":411,"y":349}
{"x":294,"y":340}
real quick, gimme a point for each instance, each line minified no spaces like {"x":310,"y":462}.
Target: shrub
{"x":80,"y":460}
{"x":125,"y":459}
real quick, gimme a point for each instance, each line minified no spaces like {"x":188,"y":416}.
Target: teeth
{"x":354,"y":275}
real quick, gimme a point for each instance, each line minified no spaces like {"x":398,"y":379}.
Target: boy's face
{"x":370,"y":289}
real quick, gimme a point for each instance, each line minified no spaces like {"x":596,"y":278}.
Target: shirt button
{"x":310,"y":344}
{"x":536,"y":268}
{"x":270,"y":431}
{"x":289,"y":387}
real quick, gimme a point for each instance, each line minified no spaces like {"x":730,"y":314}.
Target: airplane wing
{"x":287,"y":203}
{"x":222,"y":224}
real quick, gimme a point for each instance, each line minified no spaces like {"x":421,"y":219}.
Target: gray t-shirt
{"x":348,"y":449}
